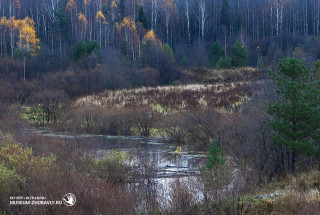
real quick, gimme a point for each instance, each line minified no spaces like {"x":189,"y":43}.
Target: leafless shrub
{"x":146,"y":121}
{"x":48,"y":106}
{"x":173,"y":128}
{"x":182,"y":200}
{"x":147,"y":77}
{"x":196,"y":129}
{"x":99,"y":120}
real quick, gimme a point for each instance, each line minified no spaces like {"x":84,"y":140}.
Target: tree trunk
{"x":225,"y":44}
{"x":188,"y":21}
{"x":293,"y":162}
{"x":24,"y":67}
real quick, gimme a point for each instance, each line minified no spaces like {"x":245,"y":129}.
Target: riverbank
{"x":174,"y":112}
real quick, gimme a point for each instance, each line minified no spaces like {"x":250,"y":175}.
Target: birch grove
{"x":61,"y":24}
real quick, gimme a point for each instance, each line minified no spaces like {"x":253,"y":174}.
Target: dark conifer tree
{"x":142,"y":18}
{"x":225,"y":13}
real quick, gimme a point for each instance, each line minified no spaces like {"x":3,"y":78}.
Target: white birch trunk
{"x":188,"y":20}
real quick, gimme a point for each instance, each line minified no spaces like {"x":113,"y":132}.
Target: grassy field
{"x":151,"y":110}
{"x":168,"y":99}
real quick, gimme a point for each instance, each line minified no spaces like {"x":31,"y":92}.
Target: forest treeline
{"x":268,"y":29}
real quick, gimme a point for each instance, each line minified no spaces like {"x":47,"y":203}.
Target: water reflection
{"x":166,"y":159}
{"x":158,"y":163}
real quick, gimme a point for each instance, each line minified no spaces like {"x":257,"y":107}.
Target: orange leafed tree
{"x":83,"y":25}
{"x":150,"y":35}
{"x":128,"y":33}
{"x":24,"y":30}
{"x":27,"y":36}
{"x":71,"y":7}
{"x":114,"y":7}
{"x":21,"y":34}
{"x":82,"y":19}
{"x":100,"y":17}
{"x":100,"y":20}
{"x":150,"y":49}
{"x":28,"y":43}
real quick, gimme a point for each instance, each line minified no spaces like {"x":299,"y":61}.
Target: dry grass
{"x":168,"y":99}
{"x":292,"y":202}
{"x":298,"y":195}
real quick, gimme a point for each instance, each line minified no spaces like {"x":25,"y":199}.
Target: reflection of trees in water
{"x":145,"y":186}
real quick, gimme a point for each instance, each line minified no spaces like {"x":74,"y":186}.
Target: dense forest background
{"x":125,"y":43}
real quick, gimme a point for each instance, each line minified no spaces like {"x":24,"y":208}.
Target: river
{"x":167,"y":161}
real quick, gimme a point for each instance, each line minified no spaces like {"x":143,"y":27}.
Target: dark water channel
{"x":168,"y":160}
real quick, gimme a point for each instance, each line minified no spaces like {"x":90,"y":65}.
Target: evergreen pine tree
{"x":79,"y":50}
{"x":184,"y":61}
{"x":91,"y":46}
{"x":225,"y":13}
{"x":296,"y":112}
{"x":142,"y":18}
{"x":239,"y":55}
{"x":223,"y":63}
{"x":260,"y":64}
{"x":216,"y":156}
{"x":216,"y":51}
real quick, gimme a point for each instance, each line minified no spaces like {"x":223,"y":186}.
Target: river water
{"x":167,"y":161}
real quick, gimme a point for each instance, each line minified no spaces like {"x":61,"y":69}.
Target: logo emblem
{"x":69,"y":199}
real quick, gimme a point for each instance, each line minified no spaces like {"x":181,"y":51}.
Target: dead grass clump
{"x":308,"y":180}
{"x":292,"y":202}
{"x":172,"y":99}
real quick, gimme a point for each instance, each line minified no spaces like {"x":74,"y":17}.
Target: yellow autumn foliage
{"x":100,"y":17}
{"x":150,"y":35}
{"x":114,"y":4}
{"x":71,"y":5}
{"x":127,"y":30}
{"x":24,"y":30}
{"x":8,"y":23}
{"x":27,"y":36}
{"x":82,"y":19}
{"x":3,"y":22}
